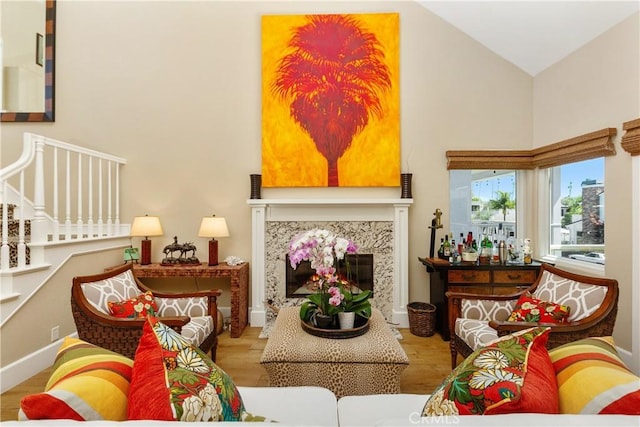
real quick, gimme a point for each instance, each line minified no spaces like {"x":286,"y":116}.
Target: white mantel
{"x":264,"y":211}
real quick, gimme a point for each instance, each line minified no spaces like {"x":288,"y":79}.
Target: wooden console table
{"x":475,"y":279}
{"x":239,"y":275}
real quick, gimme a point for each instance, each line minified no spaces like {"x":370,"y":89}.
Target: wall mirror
{"x":27,"y":60}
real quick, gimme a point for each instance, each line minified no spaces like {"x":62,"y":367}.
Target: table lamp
{"x":213,"y":227}
{"x":146,"y":226}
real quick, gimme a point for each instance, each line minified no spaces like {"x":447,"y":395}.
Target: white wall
{"x":598,"y":87}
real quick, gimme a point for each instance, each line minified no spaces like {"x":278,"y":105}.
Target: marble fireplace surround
{"x":378,"y":226}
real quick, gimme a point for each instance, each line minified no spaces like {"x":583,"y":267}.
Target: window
{"x":483,"y":202}
{"x":577,"y":214}
{"x":559,"y":237}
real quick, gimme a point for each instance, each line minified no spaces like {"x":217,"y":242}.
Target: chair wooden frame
{"x":122,"y":335}
{"x":599,"y":323}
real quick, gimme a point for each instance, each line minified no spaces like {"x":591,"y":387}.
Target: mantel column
{"x":257,"y":313}
{"x":401,"y":265}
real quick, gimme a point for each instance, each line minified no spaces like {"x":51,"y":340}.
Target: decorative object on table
{"x":145,"y":226}
{"x":184,"y":249}
{"x":333,"y":294}
{"x":213,"y":226}
{"x":405,"y":185}
{"x":436,"y":223}
{"x":256,"y":185}
{"x":169,"y":250}
{"x":191,"y":259}
{"x":131,"y":254}
{"x":527,"y":252}
{"x":233,"y":260}
{"x":422,"y":318}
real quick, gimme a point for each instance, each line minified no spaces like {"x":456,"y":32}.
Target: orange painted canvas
{"x":330,"y":100}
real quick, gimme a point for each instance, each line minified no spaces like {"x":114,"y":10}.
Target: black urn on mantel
{"x":256,"y":185}
{"x":405,"y":185}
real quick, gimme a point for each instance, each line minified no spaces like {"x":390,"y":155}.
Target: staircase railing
{"x":63,"y":192}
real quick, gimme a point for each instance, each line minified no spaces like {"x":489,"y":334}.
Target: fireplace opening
{"x":300,"y":282}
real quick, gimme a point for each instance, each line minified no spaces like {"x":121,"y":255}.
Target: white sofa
{"x":316,"y":406}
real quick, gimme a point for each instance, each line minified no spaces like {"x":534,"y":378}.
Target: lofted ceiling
{"x":533,"y":35}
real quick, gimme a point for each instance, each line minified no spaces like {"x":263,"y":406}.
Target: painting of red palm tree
{"x":330,"y":100}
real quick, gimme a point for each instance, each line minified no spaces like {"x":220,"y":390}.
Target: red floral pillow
{"x":531,"y":309}
{"x":175,"y":381}
{"x":134,"y":308}
{"x":512,"y":375}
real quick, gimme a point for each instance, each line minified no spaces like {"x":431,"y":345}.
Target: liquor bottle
{"x":512,"y":253}
{"x":454,"y":251}
{"x":446,"y":248}
{"x":469,"y":238}
{"x":461,"y":244}
{"x":495,"y":253}
{"x":441,"y":248}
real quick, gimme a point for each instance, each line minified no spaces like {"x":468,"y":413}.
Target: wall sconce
{"x":145,"y":226}
{"x":213,"y":226}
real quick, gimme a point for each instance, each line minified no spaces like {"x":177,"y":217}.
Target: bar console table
{"x":475,"y":279}
{"x":239,"y":275}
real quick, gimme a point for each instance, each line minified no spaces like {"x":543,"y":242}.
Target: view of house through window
{"x":483,"y":202}
{"x":577,"y":211}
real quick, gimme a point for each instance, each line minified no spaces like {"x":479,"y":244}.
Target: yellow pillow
{"x":87,"y":383}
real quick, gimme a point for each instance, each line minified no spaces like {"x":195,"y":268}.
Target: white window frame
{"x":544,"y":213}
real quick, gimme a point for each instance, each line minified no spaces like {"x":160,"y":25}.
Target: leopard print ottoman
{"x":369,"y":364}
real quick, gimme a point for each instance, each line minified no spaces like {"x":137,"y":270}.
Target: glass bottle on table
{"x":446,"y":247}
{"x":495,"y":253}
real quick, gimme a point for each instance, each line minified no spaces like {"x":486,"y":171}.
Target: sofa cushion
{"x":513,"y":374}
{"x":87,"y":383}
{"x":134,"y":308}
{"x":531,"y":309}
{"x":173,"y":380}
{"x":592,"y":379}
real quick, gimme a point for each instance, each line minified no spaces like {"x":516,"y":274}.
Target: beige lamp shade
{"x":145,"y":226}
{"x":213,"y":226}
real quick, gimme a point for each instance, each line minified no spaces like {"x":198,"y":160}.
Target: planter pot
{"x":323,"y":321}
{"x":347,"y":319}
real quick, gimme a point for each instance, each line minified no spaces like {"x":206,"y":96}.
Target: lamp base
{"x":145,"y":256}
{"x":213,"y":252}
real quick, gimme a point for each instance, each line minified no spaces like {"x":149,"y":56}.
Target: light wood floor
{"x":429,"y":364}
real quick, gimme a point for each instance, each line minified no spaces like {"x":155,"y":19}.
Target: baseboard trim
{"x":23,"y":369}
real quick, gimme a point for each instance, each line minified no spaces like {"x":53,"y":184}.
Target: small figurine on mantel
{"x":182,"y":259}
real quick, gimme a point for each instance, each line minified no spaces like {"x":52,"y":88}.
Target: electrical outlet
{"x":55,"y":333}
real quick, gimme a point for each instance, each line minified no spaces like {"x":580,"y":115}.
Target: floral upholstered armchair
{"x":110,"y":308}
{"x":572,"y":305}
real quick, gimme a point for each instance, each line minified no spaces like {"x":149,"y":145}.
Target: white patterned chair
{"x":477,"y":320}
{"x":192,"y":314}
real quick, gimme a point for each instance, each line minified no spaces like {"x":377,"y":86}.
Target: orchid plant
{"x":323,"y":249}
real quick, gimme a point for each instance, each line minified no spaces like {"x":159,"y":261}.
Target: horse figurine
{"x":188,"y":247}
{"x":168,"y":251}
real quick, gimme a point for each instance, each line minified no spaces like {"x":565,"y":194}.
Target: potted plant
{"x":324,"y":250}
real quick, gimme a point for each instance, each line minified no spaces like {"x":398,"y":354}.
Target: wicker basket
{"x":422,"y":318}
